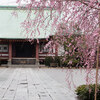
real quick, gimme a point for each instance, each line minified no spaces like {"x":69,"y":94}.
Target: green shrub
{"x":0,"y":62}
{"x":86,"y":92}
{"x":57,"y":59}
{"x":76,"y":62}
{"x":48,"y":60}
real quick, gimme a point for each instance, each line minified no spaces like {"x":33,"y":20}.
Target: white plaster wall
{"x":60,"y":50}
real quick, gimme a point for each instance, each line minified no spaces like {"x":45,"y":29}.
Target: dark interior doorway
{"x":23,"y":49}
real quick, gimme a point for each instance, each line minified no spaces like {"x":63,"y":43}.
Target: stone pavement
{"x":31,"y":84}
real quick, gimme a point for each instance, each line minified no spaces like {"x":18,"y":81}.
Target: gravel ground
{"x":42,"y":83}
{"x":71,"y":78}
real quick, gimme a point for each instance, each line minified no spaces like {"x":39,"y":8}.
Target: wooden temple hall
{"x":15,"y":48}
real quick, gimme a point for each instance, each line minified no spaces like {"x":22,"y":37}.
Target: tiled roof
{"x":10,"y":26}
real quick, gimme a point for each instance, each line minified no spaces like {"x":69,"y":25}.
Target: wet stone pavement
{"x":31,"y":84}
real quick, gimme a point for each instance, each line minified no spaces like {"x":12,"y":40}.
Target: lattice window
{"x":3,"y":48}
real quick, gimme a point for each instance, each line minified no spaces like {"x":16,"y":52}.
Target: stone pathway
{"x":31,"y":84}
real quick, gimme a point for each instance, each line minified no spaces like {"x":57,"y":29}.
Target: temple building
{"x":15,"y":45}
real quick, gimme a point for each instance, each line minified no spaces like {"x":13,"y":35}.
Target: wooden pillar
{"x":10,"y":53}
{"x":56,"y":50}
{"x":37,"y":53}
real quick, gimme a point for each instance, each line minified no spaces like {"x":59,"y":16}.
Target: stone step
{"x":25,"y":66}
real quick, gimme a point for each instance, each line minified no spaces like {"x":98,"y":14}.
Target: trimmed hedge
{"x":57,"y":59}
{"x":50,"y":59}
{"x":86,"y":92}
{"x":60,"y":62}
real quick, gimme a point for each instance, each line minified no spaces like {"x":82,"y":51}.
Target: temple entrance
{"x":23,"y":53}
{"x":23,"y":49}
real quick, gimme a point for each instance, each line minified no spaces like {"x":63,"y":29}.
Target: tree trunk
{"x":97,"y":64}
